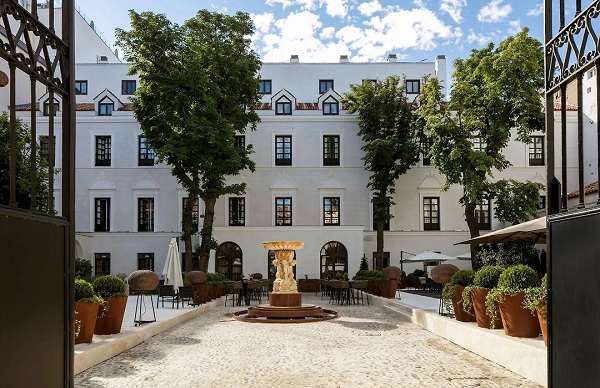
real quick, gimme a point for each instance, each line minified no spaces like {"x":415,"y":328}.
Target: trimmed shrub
{"x":109,"y":286}
{"x":518,"y":278}
{"x":462,"y":278}
{"x":487,"y":277}
{"x":392,"y":272}
{"x":419,"y":273}
{"x":83,"y":269}
{"x":369,"y":274}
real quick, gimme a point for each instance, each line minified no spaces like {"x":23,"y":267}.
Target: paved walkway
{"x":364,"y":347}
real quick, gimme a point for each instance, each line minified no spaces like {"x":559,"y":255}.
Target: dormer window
{"x":46,"y":110}
{"x":331,"y":106}
{"x":106,"y":107}
{"x":283,"y":106}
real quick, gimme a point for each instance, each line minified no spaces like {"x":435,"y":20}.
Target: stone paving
{"x":365,"y":347}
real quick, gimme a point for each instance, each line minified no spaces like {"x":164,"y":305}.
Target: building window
{"x":386,"y":260}
{"x":283,"y":211}
{"x":128,"y":87}
{"x":386,"y":223}
{"x":283,"y":106}
{"x":325,"y":85}
{"x":103,"y":150}
{"x":81,"y":87}
{"x":237,"y":211}
{"x":334,"y":260}
{"x":102,"y":215}
{"x":482,"y":214}
{"x":195,"y":209}
{"x":229,"y":261}
{"x":101,"y":264}
{"x":431,"y":213}
{"x":331,"y":106}
{"x":283,"y":150}
{"x":145,"y":152}
{"x":479,"y":144}
{"x":106,"y":107}
{"x":240,"y":141}
{"x":264,"y":86}
{"x":146,"y":261}
{"x":425,"y":148}
{"x":331,"y":211}
{"x":45,"y":147}
{"x":413,"y":86}
{"x":536,"y":151}
{"x":46,"y":111}
{"x":145,"y":214}
{"x":542,"y":204}
{"x":331,"y":150}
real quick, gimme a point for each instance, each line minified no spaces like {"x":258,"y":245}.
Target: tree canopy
{"x":198,"y":89}
{"x":389,"y":129}
{"x":495,"y":94}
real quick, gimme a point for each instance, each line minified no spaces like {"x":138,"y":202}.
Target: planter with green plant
{"x":114,"y":292}
{"x":375,"y":278}
{"x":474,"y":296}
{"x":393,"y":275}
{"x":536,"y":300}
{"x":452,"y":295}
{"x":87,"y":304}
{"x":509,"y":294}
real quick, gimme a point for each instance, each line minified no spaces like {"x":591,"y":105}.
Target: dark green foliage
{"x":364,"y":265}
{"x":487,"y":277}
{"x":109,"y":286}
{"x":83,"y":290}
{"x":83,"y":269}
{"x":419,"y":272}
{"x":369,"y":274}
{"x":518,"y":278}
{"x":462,"y":278}
{"x":508,"y":254}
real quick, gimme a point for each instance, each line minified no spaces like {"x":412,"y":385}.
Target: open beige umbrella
{"x":534,"y":230}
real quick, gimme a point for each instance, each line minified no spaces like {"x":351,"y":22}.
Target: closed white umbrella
{"x":172,"y":268}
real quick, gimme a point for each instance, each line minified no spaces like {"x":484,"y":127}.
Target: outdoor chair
{"x":254,"y":290}
{"x":166,"y":292}
{"x":264,"y":287}
{"x":185,"y":293}
{"x":340,"y":292}
{"x":233,"y":292}
{"x":360,"y":291}
{"x":325,"y":287}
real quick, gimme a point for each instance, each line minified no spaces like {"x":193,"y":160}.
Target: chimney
{"x":294,"y":59}
{"x":102,"y":58}
{"x":343,"y":58}
{"x":391,"y":58}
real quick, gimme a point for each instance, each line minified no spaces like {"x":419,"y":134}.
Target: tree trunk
{"x":473,"y":229}
{"x":206,"y":239}
{"x":188,"y":230}
{"x":380,"y":241}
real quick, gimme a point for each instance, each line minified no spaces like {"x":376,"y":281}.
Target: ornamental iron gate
{"x":36,"y":213}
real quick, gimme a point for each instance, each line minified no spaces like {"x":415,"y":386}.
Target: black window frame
{"x":428,"y":223}
{"x":283,"y":148}
{"x":240,"y":141}
{"x":45,"y":146}
{"x":145,"y":261}
{"x":195,"y":208}
{"x":102,"y":261}
{"x":126,"y":87}
{"x":103,"y":151}
{"x":237,"y":211}
{"x":83,"y":84}
{"x":542,"y":204}
{"x":328,"y":104}
{"x":483,"y":214}
{"x":325,"y":85}
{"x":102,"y":214}
{"x":284,"y":216}
{"x":331,"y":150}
{"x":46,"y":107}
{"x":145,"y":214}
{"x":284,"y":103}
{"x":145,"y":152}
{"x":479,"y":143}
{"x":537,"y":147}
{"x":103,"y":107}
{"x":412,"y":82}
{"x":262,"y":86}
{"x":331,"y":211}
{"x":386,"y":260}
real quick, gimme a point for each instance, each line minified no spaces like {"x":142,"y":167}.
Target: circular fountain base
{"x":285,"y":314}
{"x":286,"y":300}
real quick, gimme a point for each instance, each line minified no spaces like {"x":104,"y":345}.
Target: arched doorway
{"x":271,"y":269}
{"x":334,"y":258}
{"x":229,"y":260}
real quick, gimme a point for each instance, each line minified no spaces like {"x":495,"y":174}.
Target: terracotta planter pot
{"x":389,"y":291}
{"x":478,"y":300}
{"x":372,"y":287}
{"x":457,"y":304}
{"x":86,"y":314}
{"x":200,"y":292}
{"x":541,"y":311}
{"x":518,"y":321}
{"x":112,"y":320}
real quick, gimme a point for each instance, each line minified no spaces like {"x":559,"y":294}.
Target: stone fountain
{"x":285,"y":302}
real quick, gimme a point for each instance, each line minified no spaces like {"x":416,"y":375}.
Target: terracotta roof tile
{"x":26,"y":107}
{"x":126,"y":107}
{"x":85,"y":107}
{"x":307,"y":106}
{"x":263,"y":106}
{"x":571,"y":107}
{"x":589,"y":189}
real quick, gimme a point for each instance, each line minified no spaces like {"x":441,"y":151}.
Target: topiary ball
{"x":487,"y":276}
{"x":518,"y":278}
{"x":392,"y":272}
{"x":110,"y":286}
{"x":443,"y":273}
{"x":143,"y":280}
{"x":463,"y":278}
{"x":196,"y":277}
{"x":83,"y":290}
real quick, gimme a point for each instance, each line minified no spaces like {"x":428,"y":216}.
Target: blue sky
{"x":322,"y":30}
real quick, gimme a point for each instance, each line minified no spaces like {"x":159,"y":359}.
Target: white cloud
{"x":284,"y":3}
{"x":336,"y":7}
{"x":327,"y":33}
{"x":536,"y":11}
{"x":419,"y":3}
{"x":454,"y":8}
{"x":478,"y":38}
{"x":494,"y":12}
{"x":263,"y":22}
{"x":514,"y":26}
{"x":369,"y":9}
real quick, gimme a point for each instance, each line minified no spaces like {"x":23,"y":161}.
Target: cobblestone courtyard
{"x":364,"y":347}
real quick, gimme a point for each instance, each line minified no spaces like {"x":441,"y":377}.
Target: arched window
{"x":334,"y":258}
{"x":106,"y":107}
{"x":229,"y":260}
{"x":271,"y":269}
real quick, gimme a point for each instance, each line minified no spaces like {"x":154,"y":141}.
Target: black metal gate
{"x":572,"y":50}
{"x":36,"y":242}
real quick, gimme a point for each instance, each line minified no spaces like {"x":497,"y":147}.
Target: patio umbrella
{"x":425,"y":256}
{"x":464,"y":256}
{"x":172,"y":269}
{"x":534,"y":230}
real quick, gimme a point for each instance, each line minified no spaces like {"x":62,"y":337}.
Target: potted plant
{"x":474,"y":296}
{"x":114,"y":292}
{"x":86,"y":308}
{"x":536,"y":300}
{"x":510,"y":295}
{"x":393,"y":275}
{"x":452,"y":294}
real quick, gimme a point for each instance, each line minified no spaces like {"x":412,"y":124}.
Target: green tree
{"x":494,"y":91}
{"x":389,"y":129}
{"x":198,"y":89}
{"x":23,"y":142}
